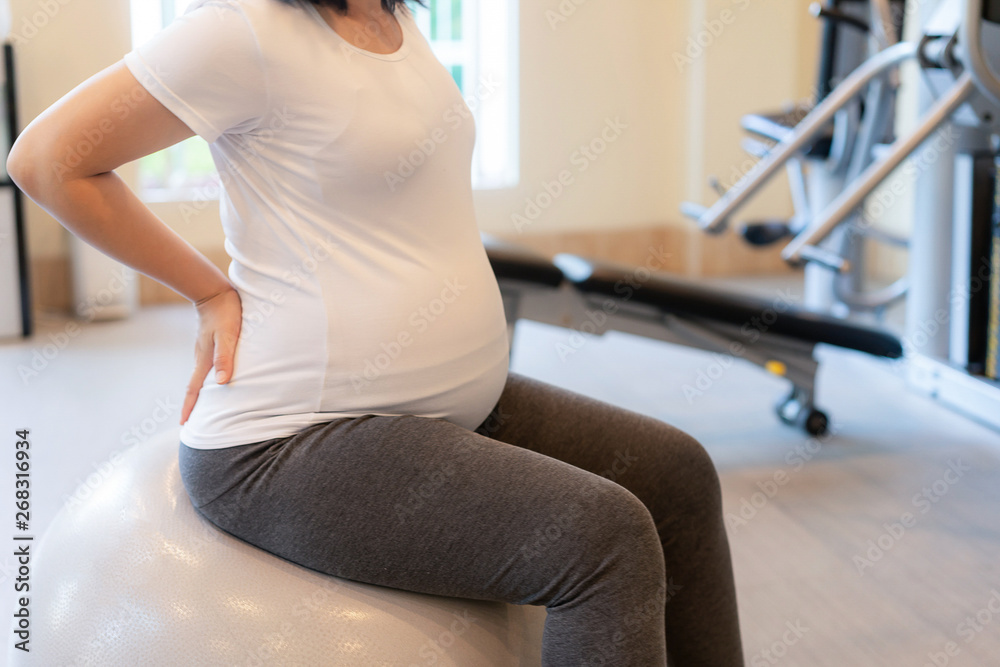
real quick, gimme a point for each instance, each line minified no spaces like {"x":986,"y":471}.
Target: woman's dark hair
{"x":341,"y":5}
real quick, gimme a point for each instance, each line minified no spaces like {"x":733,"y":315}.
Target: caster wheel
{"x":816,"y":423}
{"x":793,"y":412}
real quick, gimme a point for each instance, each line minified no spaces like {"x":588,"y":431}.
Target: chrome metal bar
{"x":853,"y":196}
{"x":800,"y":195}
{"x":827,"y":258}
{"x":716,"y":217}
{"x":874,"y":299}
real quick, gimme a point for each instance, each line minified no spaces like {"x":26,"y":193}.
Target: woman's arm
{"x":64,"y":160}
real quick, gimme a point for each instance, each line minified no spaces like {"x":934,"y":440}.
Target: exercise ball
{"x":135,"y":576}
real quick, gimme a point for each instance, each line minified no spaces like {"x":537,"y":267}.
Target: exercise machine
{"x":951,"y":151}
{"x":822,"y":164}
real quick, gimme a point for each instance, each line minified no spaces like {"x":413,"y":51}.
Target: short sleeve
{"x":207,"y":69}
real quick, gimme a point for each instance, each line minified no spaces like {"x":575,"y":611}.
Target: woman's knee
{"x":622,"y":556}
{"x":698,"y":471}
{"x":620,"y":527}
{"x":676,"y":478}
{"x":595,"y":519}
{"x":682,"y":475}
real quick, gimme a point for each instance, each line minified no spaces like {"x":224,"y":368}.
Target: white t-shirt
{"x":348,"y":214}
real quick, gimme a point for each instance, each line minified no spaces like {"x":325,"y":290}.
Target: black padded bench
{"x":686,"y":298}
{"x":565,"y":291}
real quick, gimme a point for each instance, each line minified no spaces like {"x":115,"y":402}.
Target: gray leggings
{"x":610,"y":519}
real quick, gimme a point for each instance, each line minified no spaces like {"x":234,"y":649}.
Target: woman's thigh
{"x":421,"y":504}
{"x":667,"y":469}
{"x":675,"y":479}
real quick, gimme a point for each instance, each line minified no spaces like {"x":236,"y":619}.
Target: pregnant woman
{"x":359,"y":418}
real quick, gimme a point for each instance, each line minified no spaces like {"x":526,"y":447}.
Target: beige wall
{"x":631,"y":59}
{"x":759,"y":55}
{"x":760,"y":61}
{"x":610,"y":59}
{"x":57,"y":45}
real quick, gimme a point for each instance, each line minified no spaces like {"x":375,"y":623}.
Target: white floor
{"x":794,"y":546}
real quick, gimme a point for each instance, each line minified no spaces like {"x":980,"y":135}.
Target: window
{"x":185,"y":171}
{"x":476,"y":41}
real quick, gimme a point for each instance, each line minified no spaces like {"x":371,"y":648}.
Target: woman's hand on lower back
{"x":220,"y":318}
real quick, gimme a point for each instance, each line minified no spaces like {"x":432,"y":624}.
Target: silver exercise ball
{"x":134,"y":576}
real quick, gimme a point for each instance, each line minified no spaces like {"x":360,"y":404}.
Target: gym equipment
{"x":133,"y":575}
{"x":954,"y":149}
{"x":950,"y":263}
{"x":596,"y":297}
{"x":849,"y":130}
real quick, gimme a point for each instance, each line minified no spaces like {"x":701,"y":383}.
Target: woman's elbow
{"x":23,"y":165}
{"x":33,"y":164}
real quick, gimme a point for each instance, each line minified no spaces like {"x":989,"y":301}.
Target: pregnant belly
{"x":392,"y":339}
{"x":416,"y":342}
